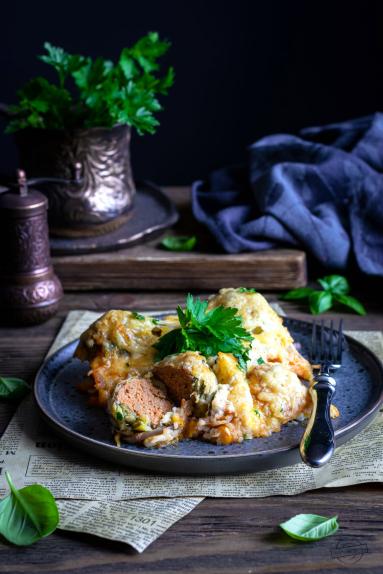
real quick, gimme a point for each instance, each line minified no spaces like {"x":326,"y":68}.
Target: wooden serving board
{"x":147,"y":266}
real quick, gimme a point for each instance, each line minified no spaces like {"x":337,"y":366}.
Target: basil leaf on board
{"x":310,"y":527}
{"x":28,"y":514}
{"x":301,"y":293}
{"x":320,"y":301}
{"x":13,"y":389}
{"x":350,"y":302}
{"x":179,"y":243}
{"x":335,"y":284}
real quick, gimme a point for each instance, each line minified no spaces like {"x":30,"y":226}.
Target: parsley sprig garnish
{"x":207,"y":331}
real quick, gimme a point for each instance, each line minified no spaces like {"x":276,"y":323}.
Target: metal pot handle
{"x":78,"y":179}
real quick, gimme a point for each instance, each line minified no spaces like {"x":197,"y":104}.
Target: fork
{"x":318,"y":442}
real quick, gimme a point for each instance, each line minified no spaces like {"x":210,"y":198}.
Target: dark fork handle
{"x":318,"y":442}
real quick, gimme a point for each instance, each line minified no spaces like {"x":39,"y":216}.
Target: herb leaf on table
{"x":13,"y":389}
{"x":310,"y":527}
{"x":320,"y":301}
{"x":335,"y":289}
{"x":179,"y":243}
{"x":28,"y":514}
{"x":207,"y":331}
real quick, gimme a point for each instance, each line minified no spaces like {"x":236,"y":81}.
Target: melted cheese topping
{"x":237,"y":405}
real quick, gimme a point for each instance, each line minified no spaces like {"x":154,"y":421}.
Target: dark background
{"x":244,"y":69}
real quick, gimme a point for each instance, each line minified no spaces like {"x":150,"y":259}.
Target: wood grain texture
{"x":146,"y":266}
{"x":220,"y":536}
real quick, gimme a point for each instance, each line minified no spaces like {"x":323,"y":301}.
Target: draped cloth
{"x":321,"y":191}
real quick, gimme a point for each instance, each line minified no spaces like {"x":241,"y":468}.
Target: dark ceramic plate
{"x":359,"y":393}
{"x":152,"y":212}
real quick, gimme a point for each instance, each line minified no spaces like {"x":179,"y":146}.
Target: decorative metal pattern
{"x":29,"y":289}
{"x":86,"y":174}
{"x":27,"y":248}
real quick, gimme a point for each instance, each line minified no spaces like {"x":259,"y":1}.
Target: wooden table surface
{"x":221,"y":535}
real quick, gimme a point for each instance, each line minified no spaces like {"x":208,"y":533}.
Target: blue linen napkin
{"x":321,"y":191}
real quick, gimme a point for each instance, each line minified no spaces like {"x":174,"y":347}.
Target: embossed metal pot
{"x":86,"y":175}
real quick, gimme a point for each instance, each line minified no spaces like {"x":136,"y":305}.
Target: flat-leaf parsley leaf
{"x":207,"y":331}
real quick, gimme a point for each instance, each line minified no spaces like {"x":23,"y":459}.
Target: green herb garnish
{"x":257,"y":412}
{"x":179,"y":243}
{"x":13,"y":389}
{"x":119,"y":415}
{"x":105,"y":94}
{"x":28,"y":514}
{"x":260,"y":361}
{"x":209,"y":332}
{"x":138,"y":316}
{"x":335,"y":290}
{"x":245,"y":290}
{"x":310,"y":527}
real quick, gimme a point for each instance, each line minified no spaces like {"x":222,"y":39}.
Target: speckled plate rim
{"x":149,"y":459}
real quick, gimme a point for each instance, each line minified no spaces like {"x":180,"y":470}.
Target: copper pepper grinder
{"x":29,"y":290}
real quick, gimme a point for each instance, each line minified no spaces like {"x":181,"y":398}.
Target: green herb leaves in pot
{"x":105,"y":93}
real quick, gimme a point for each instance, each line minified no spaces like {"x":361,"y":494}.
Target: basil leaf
{"x":179,"y":243}
{"x":301,"y":293}
{"x":320,"y":301}
{"x":335,"y":283}
{"x":350,"y":302}
{"x":12,"y":389}
{"x":28,"y":514}
{"x":310,"y":527}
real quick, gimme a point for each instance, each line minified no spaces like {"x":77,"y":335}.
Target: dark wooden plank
{"x":146,"y":266}
{"x":227,"y":536}
{"x":219,"y":536}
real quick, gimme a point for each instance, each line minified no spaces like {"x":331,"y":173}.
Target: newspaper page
{"x":136,"y":522}
{"x":32,"y":453}
{"x":6,"y":412}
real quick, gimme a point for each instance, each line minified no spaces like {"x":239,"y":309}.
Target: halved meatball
{"x":137,"y":405}
{"x":187,"y":375}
